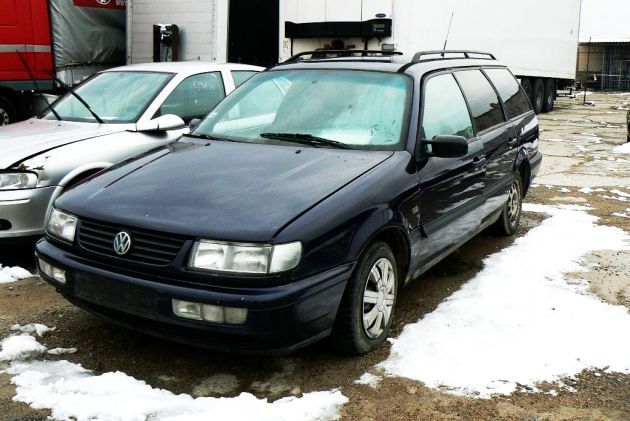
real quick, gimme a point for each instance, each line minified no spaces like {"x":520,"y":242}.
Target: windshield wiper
{"x":305,"y":138}
{"x":77,"y":96}
{"x":36,"y":85}
{"x":208,"y":137}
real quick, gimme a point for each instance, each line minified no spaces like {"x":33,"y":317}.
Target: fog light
{"x":59,"y":274}
{"x":187,"y":310}
{"x":235,"y":316}
{"x":212,"y":313}
{"x":51,"y":271}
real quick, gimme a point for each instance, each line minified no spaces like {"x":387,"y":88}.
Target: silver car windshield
{"x":325,"y":108}
{"x":116,"y":97}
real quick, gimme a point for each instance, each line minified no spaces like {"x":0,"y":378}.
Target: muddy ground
{"x":577,"y":142}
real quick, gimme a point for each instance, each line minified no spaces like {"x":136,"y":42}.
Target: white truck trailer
{"x":536,"y":38}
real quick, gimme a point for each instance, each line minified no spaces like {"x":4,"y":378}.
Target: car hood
{"x":221,"y":190}
{"x":20,"y":141}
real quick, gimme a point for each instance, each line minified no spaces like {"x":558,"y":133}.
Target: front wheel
{"x":508,"y":222}
{"x":367,"y":307}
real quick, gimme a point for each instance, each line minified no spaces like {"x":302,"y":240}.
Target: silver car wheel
{"x":514,"y":203}
{"x":378,"y":298}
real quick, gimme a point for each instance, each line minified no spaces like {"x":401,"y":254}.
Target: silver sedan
{"x":117,"y":114}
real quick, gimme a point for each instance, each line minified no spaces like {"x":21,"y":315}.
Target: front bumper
{"x":23,"y":212}
{"x":280,"y":319}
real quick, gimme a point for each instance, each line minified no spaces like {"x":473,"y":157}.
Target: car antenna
{"x":36,"y":85}
{"x":76,"y":95}
{"x":448,"y":32}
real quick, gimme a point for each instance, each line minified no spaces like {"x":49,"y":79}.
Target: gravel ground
{"x":577,"y":143}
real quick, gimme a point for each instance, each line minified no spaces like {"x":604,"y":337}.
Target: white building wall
{"x":202,"y":25}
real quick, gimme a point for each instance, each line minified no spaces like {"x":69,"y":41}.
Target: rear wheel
{"x":538,"y":95}
{"x":8,"y":114}
{"x":508,"y":222}
{"x":550,"y":95}
{"x":367,"y":307}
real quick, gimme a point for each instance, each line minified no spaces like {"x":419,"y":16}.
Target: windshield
{"x":116,"y":97}
{"x":360,"y":109}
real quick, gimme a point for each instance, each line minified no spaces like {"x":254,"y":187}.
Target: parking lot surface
{"x":580,"y":168}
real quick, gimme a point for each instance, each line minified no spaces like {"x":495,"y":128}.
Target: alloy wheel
{"x":514,"y":203}
{"x":378,"y":298}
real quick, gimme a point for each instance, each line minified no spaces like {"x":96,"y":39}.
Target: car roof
{"x":396,"y":64}
{"x":184,"y":67}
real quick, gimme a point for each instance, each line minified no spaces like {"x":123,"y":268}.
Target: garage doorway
{"x":253,"y":32}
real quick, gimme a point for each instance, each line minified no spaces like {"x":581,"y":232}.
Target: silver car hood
{"x":20,"y":141}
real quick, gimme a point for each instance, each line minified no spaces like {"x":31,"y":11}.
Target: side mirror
{"x":194,"y":123}
{"x":161,"y":124}
{"x":446,"y":146}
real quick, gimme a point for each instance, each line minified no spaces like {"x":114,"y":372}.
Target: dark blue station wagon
{"x":302,"y":204}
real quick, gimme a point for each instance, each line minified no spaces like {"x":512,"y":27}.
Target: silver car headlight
{"x":62,"y":225}
{"x":245,"y":258}
{"x":17,"y":180}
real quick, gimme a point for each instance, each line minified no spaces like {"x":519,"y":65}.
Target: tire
{"x":550,"y":95}
{"x":538,"y":95}
{"x":8,"y":114}
{"x":510,"y":218}
{"x":527,"y":87}
{"x":352,"y":333}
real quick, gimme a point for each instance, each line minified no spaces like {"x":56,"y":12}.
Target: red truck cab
{"x":72,"y":38}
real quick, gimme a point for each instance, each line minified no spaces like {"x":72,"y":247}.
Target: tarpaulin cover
{"x":87,"y":35}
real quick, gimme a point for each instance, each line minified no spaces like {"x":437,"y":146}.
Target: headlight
{"x":245,"y":258}
{"x":17,"y":180}
{"x":61,"y":225}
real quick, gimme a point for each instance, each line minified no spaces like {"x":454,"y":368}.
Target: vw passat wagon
{"x":302,"y":204}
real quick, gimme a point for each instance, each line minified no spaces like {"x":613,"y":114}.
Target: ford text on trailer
{"x":72,"y":39}
{"x":537,"y":39}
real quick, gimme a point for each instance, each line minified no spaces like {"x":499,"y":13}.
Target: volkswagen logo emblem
{"x":122,"y":243}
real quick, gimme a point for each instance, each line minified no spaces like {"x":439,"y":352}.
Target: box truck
{"x":537,"y":39}
{"x":70,"y":39}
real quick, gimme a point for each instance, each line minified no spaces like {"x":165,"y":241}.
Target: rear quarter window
{"x":510,"y":90}
{"x":482,"y":99}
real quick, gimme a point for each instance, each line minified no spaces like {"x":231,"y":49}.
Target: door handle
{"x":479,"y":159}
{"x":512,"y":142}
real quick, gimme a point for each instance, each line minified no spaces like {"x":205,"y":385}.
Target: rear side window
{"x":195,"y":96}
{"x":483,"y":100}
{"x":241,"y":76}
{"x":445,"y":111}
{"x":510,"y":91}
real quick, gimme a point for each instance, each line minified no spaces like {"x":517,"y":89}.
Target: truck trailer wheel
{"x":550,"y":95}
{"x":538,"y":95}
{"x":7,"y":112}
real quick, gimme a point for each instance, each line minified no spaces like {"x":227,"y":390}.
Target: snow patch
{"x":625,"y":148}
{"x":13,"y":274}
{"x":20,"y":347}
{"x":369,"y":379}
{"x":72,"y":392}
{"x":519,"y":322}
{"x":39,"y":329}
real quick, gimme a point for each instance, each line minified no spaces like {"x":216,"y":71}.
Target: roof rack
{"x":466,"y":53}
{"x":324,"y":54}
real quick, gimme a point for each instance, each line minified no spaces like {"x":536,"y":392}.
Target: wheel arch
{"x":397,"y":239}
{"x":75,"y":176}
{"x":523,"y":166}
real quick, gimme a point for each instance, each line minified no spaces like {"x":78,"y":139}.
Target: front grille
{"x":149,"y":247}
